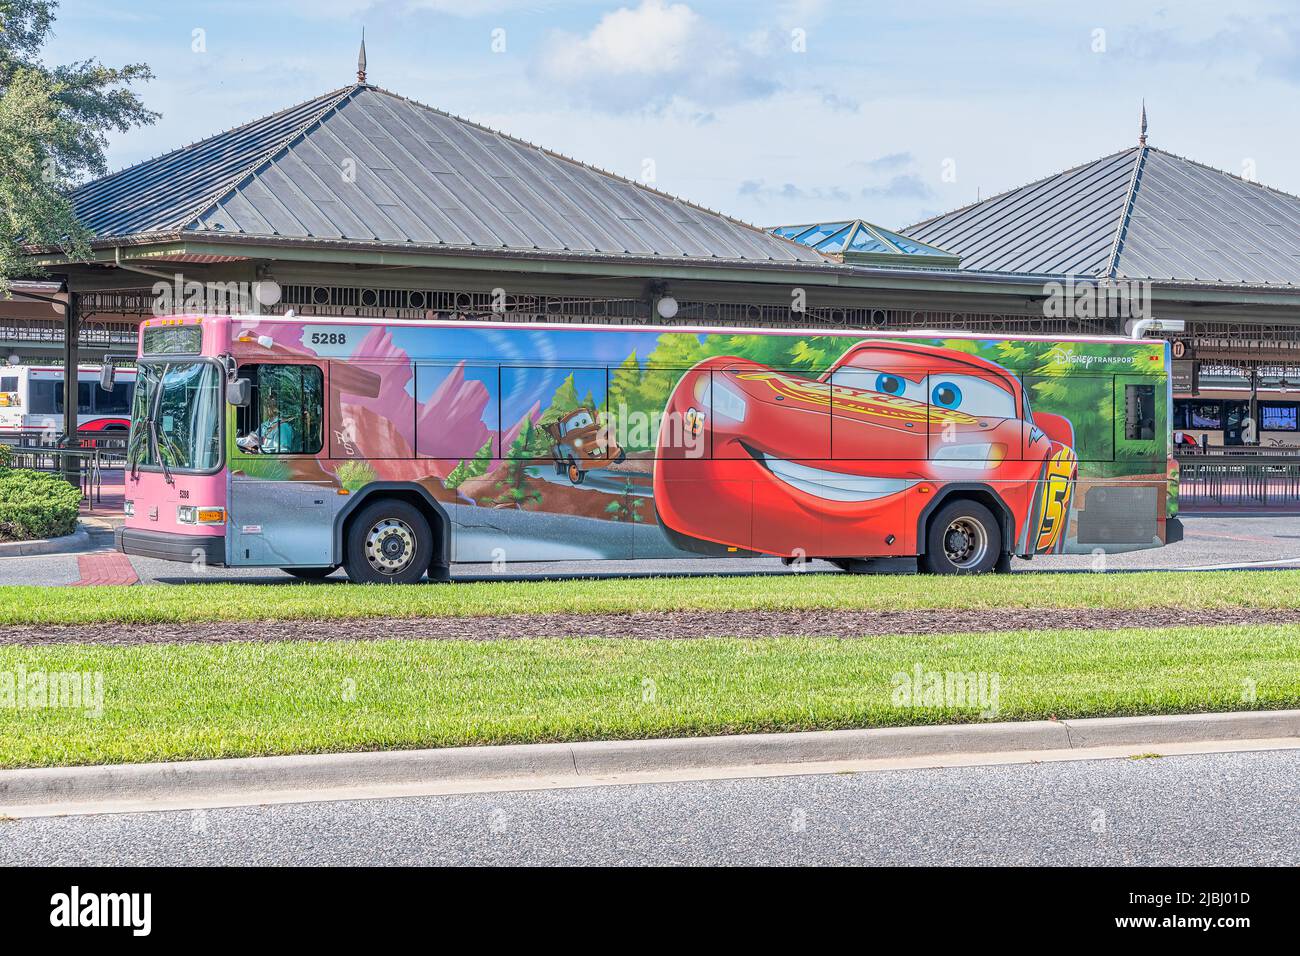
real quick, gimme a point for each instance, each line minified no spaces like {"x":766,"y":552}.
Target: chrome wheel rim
{"x":390,"y":546}
{"x":965,"y":542}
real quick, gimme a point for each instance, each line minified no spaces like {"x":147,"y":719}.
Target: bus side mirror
{"x":107,"y":374}
{"x":239,"y":392}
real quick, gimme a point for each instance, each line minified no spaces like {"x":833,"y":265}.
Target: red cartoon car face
{"x":754,"y":458}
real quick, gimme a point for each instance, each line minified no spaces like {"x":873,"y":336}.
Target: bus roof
{"x":685,"y":329}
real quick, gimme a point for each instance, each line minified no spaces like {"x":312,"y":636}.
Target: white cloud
{"x":647,"y":57}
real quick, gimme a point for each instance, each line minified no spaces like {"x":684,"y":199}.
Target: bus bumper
{"x":210,"y":549}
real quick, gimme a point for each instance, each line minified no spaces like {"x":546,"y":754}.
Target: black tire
{"x":311,"y":574}
{"x":963,"y":537}
{"x":388,"y":532}
{"x":576,"y":474}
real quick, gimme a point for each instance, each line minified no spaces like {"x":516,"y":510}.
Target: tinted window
{"x":286,"y":411}
{"x":116,"y":402}
{"x":1139,"y":412}
{"x":46,"y":397}
{"x":9,"y":383}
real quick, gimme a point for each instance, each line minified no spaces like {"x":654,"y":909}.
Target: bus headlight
{"x":190,"y":514}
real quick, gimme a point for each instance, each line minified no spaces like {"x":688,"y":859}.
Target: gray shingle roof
{"x":365,"y":165}
{"x":1138,"y":214}
{"x":165,"y":192}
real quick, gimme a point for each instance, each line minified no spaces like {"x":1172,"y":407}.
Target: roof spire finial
{"x":361,"y":59}
{"x":1142,"y":134}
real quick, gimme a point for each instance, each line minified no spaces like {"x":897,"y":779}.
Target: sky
{"x":773,"y":111}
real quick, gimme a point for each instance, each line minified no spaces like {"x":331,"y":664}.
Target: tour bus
{"x":31,"y":399}
{"x":395,"y":448}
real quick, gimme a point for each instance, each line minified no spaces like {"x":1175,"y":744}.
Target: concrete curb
{"x":73,"y":543}
{"x":199,"y":779}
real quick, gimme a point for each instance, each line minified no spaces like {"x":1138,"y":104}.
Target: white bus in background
{"x":31,"y":400}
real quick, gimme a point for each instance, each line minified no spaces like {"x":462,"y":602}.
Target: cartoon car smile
{"x":851,"y":464}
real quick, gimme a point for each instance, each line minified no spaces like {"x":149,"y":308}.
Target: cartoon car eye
{"x":946,"y":395}
{"x":974,"y":396}
{"x":875,"y":380}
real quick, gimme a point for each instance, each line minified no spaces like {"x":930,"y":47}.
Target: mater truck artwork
{"x":580,"y":441}
{"x":396,"y":448}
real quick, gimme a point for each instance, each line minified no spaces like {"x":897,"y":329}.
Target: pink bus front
{"x":176,"y":478}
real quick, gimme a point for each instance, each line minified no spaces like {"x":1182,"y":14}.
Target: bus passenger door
{"x":282,"y":503}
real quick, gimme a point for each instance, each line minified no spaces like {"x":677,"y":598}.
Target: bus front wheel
{"x":963,"y":538}
{"x":389,"y":542}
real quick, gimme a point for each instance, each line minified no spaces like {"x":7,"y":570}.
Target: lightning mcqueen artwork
{"x":898,"y":449}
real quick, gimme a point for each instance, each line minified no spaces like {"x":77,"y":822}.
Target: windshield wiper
{"x":157,"y":450}
{"x":151,"y":431}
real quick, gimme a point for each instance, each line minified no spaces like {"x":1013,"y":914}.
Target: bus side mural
{"x":707,"y":442}
{"x":846,"y":449}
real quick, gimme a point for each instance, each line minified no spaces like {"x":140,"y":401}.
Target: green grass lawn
{"x":232,"y":602}
{"x":197,"y":701}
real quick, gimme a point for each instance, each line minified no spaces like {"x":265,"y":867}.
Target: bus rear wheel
{"x":962,"y":538}
{"x":389,"y":542}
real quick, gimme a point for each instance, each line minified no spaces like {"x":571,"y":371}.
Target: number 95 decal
{"x":1054,"y":513}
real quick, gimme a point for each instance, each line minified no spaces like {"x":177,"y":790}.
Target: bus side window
{"x":1139,"y":412}
{"x":285,"y":414}
{"x":116,"y":402}
{"x":46,"y":397}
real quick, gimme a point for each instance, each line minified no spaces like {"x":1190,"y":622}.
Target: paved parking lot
{"x":1211,"y":542}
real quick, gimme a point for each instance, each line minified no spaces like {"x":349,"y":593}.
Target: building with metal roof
{"x":362,"y":165}
{"x":861,"y":242}
{"x":361,"y":202}
{"x":1140,"y":213}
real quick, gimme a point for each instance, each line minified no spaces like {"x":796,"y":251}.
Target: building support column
{"x":71,"y":361}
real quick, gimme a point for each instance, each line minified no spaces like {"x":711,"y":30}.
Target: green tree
{"x":474,"y":468}
{"x":514,"y":484}
{"x":54,"y":126}
{"x":564,"y":401}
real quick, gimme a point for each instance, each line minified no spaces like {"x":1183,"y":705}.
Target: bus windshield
{"x":183,"y":399}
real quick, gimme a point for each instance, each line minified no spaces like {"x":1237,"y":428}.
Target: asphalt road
{"x":1215,"y":809}
{"x":1210,"y":542}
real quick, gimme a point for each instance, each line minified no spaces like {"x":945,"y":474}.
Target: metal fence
{"x":1255,"y":481}
{"x":93,"y":452}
